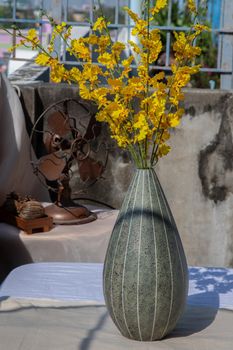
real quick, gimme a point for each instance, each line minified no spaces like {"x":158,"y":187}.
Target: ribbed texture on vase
{"x":145,"y":270}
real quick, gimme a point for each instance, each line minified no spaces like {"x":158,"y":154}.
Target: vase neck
{"x":145,"y":169}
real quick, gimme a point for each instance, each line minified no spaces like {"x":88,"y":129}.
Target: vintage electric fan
{"x":67,"y":131}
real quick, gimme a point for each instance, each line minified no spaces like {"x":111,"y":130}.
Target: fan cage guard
{"x":80,"y":150}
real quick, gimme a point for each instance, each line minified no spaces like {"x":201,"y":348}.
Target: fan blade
{"x":52,"y":165}
{"x":93,"y":129}
{"x":51,"y":142}
{"x":90,"y":169}
{"x":59,"y":124}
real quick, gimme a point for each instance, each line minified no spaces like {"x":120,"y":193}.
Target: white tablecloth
{"x":64,"y":243}
{"x":210,"y":287}
{"x":59,"y":306}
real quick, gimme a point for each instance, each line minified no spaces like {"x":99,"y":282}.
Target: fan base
{"x":70,"y":215}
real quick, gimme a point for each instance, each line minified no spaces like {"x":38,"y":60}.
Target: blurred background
{"x":216,"y":46}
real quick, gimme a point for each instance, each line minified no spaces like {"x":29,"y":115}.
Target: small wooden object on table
{"x":43,"y":224}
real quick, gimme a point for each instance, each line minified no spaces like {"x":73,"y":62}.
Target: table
{"x":66,"y":243}
{"x":50,"y":306}
{"x":73,"y":243}
{"x":209,"y":287}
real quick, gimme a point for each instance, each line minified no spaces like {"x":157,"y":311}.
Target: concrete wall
{"x":197,"y":175}
{"x":198,"y":179}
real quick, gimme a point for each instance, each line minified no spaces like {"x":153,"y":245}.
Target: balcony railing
{"x":84,"y":13}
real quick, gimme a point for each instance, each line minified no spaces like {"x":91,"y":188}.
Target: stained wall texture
{"x":197,"y":175}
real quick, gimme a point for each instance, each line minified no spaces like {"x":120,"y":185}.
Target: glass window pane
{"x":79,"y":10}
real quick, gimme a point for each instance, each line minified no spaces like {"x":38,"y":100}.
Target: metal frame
{"x":225,"y":44}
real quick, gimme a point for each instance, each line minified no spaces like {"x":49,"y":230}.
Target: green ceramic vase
{"x":145,"y":269}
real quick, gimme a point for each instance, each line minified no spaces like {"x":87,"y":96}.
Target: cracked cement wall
{"x":197,"y":175}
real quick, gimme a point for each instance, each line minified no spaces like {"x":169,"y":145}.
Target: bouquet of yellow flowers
{"x":140,"y":109}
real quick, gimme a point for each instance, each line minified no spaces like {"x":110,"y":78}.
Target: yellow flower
{"x":181,"y":77}
{"x":140,"y":28}
{"x":192,"y":6}
{"x":198,"y":29}
{"x":183,"y":47}
{"x":152,"y":46}
{"x":143,"y":74}
{"x":117,"y":48}
{"x":32,"y":34}
{"x":158,"y":77}
{"x":60,"y":28}
{"x":116,"y":84}
{"x":22,"y":42}
{"x":91,"y":72}
{"x":132,"y":14}
{"x":100,"y":96}
{"x":75,"y":74}
{"x":42,"y":59}
{"x":100,"y":24}
{"x":135,"y":47}
{"x":67,"y":33}
{"x":31,"y":38}
{"x":160,"y":4}
{"x":119,"y":112}
{"x":201,"y":27}
{"x":174,"y":118}
{"x":101,"y":116}
{"x":155,"y":105}
{"x":107,"y":60}
{"x":122,"y":141}
{"x":92,"y":39}
{"x":185,"y":69}
{"x":126,"y":64}
{"x":57,"y":72}
{"x":85,"y":92}
{"x":141,"y":126}
{"x":103,"y":42}
{"x":139,"y":108}
{"x":136,"y":84}
{"x":78,"y":48}
{"x":163,"y":150}
{"x":128,"y":93}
